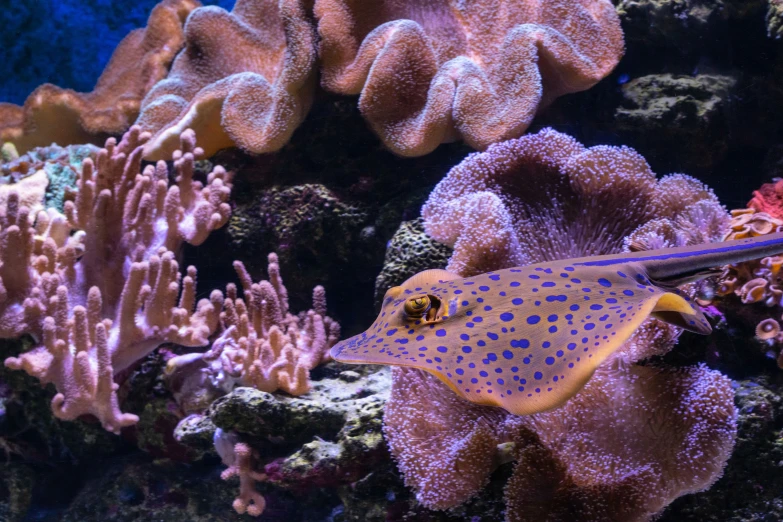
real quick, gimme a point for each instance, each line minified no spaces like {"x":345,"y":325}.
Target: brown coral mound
{"x":545,"y":196}
{"x":636,"y":437}
{"x":54,"y":115}
{"x":435,"y":71}
{"x":244,"y":79}
{"x":99,"y":287}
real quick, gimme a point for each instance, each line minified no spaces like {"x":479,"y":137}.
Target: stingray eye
{"x":417,"y":306}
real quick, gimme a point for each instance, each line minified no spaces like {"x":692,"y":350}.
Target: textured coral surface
{"x":431,"y":72}
{"x":545,"y":197}
{"x":244,"y":79}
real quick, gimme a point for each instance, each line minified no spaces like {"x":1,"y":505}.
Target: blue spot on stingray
{"x":508,"y":354}
{"x":534,"y":276}
{"x":467,"y":349}
{"x":464,"y":337}
{"x":550,"y":361}
{"x":517,"y":301}
{"x":514,"y":284}
{"x":589,"y":326}
{"x":533,"y":319}
{"x":492,"y":336}
{"x":484,"y":288}
{"x":538,"y":375}
{"x":508,"y":316}
{"x":628,"y":292}
{"x":441,"y":333}
{"x":595,"y":307}
{"x":392,"y":331}
{"x":548,"y":284}
{"x":574,"y":307}
{"x":552,"y":318}
{"x":495,"y":277}
{"x":604,"y":282}
{"x":442,"y":349}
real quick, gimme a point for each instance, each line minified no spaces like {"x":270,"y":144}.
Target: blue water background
{"x":64,"y":42}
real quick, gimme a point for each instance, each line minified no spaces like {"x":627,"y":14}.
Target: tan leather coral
{"x":244,"y":79}
{"x":63,"y":116}
{"x":431,"y":72}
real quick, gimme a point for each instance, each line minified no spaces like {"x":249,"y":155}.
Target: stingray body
{"x":528,"y":338}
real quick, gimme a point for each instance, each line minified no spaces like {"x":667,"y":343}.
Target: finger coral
{"x":240,"y":457}
{"x":51,"y":114}
{"x":428,"y":74}
{"x":99,"y":286}
{"x":263,"y":345}
{"x":636,"y":437}
{"x":244,"y":79}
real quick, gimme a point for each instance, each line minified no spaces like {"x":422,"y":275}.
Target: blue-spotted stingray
{"x":527,"y":339}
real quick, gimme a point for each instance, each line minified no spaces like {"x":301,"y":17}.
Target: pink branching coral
{"x":240,"y":457}
{"x":636,"y":437}
{"x":52,"y":114}
{"x":99,"y":286}
{"x":263,"y":345}
{"x":431,"y":73}
{"x":244,"y":79}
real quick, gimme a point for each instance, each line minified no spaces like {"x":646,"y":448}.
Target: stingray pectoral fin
{"x":556,"y":366}
{"x":674,"y":309}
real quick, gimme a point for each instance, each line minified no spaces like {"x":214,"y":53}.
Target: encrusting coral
{"x":98,"y":286}
{"x":759,"y":281}
{"x":263,"y":345}
{"x":479,"y":71}
{"x":636,"y":437}
{"x":244,"y":79}
{"x":52,"y":114}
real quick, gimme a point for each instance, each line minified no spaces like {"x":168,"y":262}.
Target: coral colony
{"x":544,"y":343}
